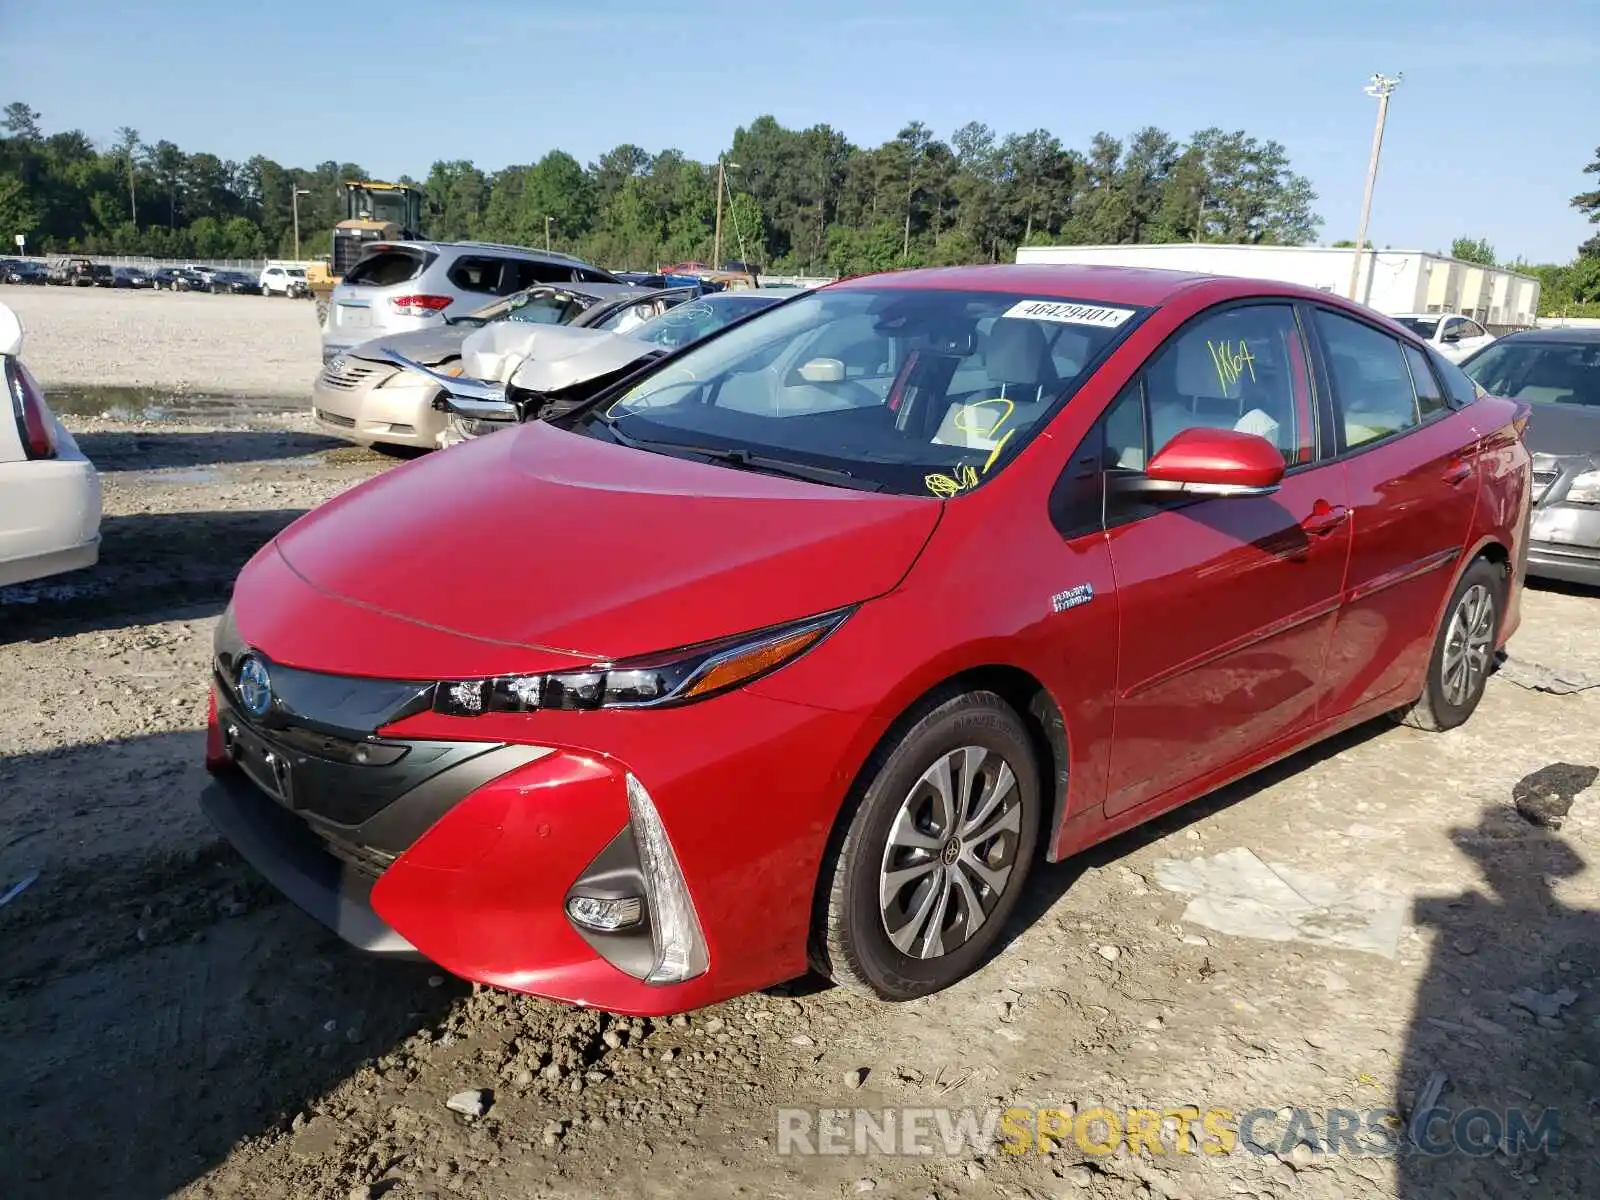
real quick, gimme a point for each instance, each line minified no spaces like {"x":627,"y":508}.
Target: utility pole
{"x":548,"y":221}
{"x":722,"y":186}
{"x":1200,"y":221}
{"x":1381,"y":87}
{"x":298,"y":192}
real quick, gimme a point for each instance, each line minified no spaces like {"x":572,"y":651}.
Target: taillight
{"x":27,"y":405}
{"x":414,"y":305}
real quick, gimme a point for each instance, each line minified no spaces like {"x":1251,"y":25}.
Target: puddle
{"x":156,"y":404}
{"x":183,"y":475}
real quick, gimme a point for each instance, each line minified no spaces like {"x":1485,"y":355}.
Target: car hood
{"x":1563,"y":430}
{"x":430,"y":347}
{"x":543,"y":358}
{"x":536,"y":545}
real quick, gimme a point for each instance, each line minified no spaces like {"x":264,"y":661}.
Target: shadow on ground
{"x":151,"y":451}
{"x":1501,"y":1122}
{"x":160,"y":1007}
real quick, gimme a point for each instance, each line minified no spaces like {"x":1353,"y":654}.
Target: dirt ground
{"x":169,"y":1026}
{"x":155,"y":344}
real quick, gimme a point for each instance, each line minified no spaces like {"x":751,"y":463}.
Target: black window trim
{"x":1343,"y":453}
{"x":1321,"y":421}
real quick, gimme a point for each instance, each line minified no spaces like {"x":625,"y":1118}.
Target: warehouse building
{"x":1391,"y":281}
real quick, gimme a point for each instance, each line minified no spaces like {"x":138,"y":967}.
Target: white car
{"x":1453,"y":336}
{"x":49,"y":492}
{"x":275,"y":280}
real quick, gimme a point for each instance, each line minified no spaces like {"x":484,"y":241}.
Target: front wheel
{"x":938,"y":845}
{"x":1463,"y":651}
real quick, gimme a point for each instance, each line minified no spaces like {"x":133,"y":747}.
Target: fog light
{"x":606,"y":915}
{"x":679,"y":945}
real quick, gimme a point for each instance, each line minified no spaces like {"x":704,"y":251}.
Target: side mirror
{"x":475,"y":399}
{"x":1218,"y":462}
{"x":1453,"y":336}
{"x":10,"y":332}
{"x":822,"y":370}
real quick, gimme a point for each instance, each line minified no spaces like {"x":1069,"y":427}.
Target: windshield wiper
{"x":746,"y":460}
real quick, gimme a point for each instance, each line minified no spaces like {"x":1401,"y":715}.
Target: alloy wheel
{"x":952,"y":848}
{"x":1468,"y":645}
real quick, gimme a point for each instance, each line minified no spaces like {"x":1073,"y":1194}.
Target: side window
{"x":592,"y":275}
{"x":531,"y":272}
{"x":1372,"y":389}
{"x":1430,"y":396}
{"x":1471,"y":329}
{"x":473,"y":273}
{"x":1243,"y":369}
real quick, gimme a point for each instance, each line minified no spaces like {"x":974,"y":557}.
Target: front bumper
{"x":386,"y":405}
{"x":473,"y":868}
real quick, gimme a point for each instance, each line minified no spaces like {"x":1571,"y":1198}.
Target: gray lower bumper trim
{"x":279,"y":845}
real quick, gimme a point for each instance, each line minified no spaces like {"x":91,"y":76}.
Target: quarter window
{"x":1372,"y":388}
{"x":1430,"y":396}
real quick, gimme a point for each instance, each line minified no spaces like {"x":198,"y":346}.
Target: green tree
{"x":1473,"y":250}
{"x":1588,"y":203}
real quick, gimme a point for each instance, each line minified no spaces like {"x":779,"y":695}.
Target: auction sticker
{"x":1070,"y":314}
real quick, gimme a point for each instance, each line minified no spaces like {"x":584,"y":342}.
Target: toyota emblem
{"x":255,"y":686}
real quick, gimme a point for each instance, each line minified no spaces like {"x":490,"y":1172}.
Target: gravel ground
{"x":169,"y":1026}
{"x":186,"y":343}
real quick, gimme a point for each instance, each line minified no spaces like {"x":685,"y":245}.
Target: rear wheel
{"x":1463,"y":651}
{"x":918,"y":888}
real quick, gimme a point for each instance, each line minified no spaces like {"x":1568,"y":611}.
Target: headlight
{"x":1585,"y":489}
{"x":678,"y":677}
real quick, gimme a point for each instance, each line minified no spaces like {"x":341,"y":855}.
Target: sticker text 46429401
{"x":1069,"y":314}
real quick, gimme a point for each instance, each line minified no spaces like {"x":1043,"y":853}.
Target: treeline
{"x":802,"y":201}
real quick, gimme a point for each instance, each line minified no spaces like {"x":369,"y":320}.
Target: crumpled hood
{"x":430,"y":347}
{"x":545,"y":357}
{"x":537,"y":542}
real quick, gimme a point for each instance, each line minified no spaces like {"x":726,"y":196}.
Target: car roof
{"x":494,"y":247}
{"x":1576,"y":334}
{"x":1139,"y":286}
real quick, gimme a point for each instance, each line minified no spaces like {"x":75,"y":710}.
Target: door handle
{"x":1458,"y":473}
{"x":1324,"y":518}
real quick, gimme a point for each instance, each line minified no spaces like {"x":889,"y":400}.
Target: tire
{"x":1463,"y":651}
{"x":895,"y":823}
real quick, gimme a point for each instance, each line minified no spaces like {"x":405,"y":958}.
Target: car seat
{"x":1016,"y":359}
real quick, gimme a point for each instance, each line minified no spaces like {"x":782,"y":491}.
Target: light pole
{"x":298,"y":192}
{"x":1381,"y":87}
{"x":548,"y":221}
{"x":722,"y":186}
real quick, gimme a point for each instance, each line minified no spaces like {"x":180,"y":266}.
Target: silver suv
{"x":400,"y":287}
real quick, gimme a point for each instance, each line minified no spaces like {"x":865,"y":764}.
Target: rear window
{"x":389,"y":267}
{"x":1423,"y":327}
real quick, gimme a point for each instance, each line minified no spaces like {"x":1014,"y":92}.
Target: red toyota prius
{"x":803,"y":644}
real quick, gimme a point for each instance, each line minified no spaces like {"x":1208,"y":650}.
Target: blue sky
{"x":1487,"y":136}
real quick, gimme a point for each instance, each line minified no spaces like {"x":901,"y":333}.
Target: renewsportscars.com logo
{"x":1179,"y":1129}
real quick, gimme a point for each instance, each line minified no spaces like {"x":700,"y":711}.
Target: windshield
{"x":1539,"y":372}
{"x":914,"y":391}
{"x":701,"y":318}
{"x":1423,"y":327}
